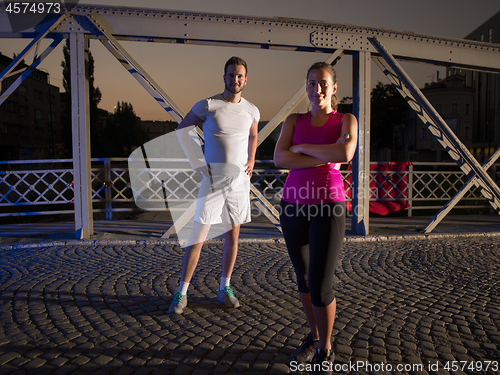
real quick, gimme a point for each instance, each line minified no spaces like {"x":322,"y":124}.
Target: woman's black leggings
{"x":314,"y":236}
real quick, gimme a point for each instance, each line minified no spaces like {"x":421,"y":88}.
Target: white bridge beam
{"x":80,"y":128}
{"x":149,"y":25}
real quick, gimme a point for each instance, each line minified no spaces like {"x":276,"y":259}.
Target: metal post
{"x":410,"y":190}
{"x":108,"y":185}
{"x":494,"y":178}
{"x":80,"y":124}
{"x":361,"y":163}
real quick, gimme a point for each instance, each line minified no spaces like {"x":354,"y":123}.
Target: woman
{"x":313,"y":204}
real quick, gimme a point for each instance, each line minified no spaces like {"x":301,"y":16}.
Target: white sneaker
{"x":178,"y":304}
{"x":226,"y":295}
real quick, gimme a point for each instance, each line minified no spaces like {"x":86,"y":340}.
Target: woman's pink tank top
{"x":321,"y":184}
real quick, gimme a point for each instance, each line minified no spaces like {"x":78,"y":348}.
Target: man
{"x":230,"y":128}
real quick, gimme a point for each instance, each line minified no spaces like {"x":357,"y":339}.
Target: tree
{"x":345,"y":105}
{"x":21,"y":63}
{"x":388,"y":109}
{"x":123,"y":132}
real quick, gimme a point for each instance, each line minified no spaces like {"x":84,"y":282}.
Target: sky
{"x":190,"y":73}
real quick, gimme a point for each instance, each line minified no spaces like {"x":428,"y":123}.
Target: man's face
{"x":235,"y":78}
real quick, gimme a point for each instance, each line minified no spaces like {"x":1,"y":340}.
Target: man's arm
{"x":252,"y":148}
{"x":187,"y":124}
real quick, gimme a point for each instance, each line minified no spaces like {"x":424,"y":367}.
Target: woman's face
{"x":320,"y":87}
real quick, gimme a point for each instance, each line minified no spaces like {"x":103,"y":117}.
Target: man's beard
{"x":234,"y":90}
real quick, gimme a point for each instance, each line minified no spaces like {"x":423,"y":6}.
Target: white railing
{"x":45,"y":187}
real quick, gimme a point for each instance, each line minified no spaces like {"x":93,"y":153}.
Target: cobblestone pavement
{"x":411,"y":304}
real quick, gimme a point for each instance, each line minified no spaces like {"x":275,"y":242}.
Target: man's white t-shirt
{"x":226,"y":129}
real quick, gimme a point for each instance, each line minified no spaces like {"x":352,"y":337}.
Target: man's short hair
{"x":236,"y":61}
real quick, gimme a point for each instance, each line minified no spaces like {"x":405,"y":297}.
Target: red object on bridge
{"x":388,"y":186}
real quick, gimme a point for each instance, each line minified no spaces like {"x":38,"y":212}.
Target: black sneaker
{"x":306,"y":351}
{"x":324,"y":362}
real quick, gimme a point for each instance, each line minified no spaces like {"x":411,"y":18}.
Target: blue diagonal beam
{"x":97,"y":23}
{"x":57,"y":25}
{"x":459,"y":195}
{"x":129,"y":63}
{"x":447,"y":137}
{"x":422,"y":114}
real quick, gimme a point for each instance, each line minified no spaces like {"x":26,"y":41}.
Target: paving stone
{"x":360,"y":353}
{"x":377,"y":341}
{"x":343,"y":349}
{"x":459,"y":349}
{"x":394,"y":357}
{"x":279,"y":368}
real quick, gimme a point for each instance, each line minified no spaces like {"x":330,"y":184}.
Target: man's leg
{"x":230,"y":248}
{"x":191,"y":257}
{"x":192,"y":254}
{"x":229,"y":253}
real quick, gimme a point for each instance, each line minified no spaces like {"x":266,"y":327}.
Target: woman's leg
{"x":305,"y":298}
{"x":296,"y":234}
{"x":325,"y":318}
{"x":326,"y":236}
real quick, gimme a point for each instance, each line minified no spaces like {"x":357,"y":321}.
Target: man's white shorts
{"x":224,"y":199}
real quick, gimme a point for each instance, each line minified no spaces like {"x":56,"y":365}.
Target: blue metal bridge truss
{"x":111,"y":25}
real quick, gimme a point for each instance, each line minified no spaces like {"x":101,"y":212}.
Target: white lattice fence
{"x":46,"y":186}
{"x":433,"y":184}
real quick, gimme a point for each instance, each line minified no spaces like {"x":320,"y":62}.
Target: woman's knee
{"x":302,"y":285}
{"x":320,"y":299}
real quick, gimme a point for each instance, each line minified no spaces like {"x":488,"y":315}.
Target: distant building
{"x":469,"y":102}
{"x":157,"y":128}
{"x":453,"y":100}
{"x":30,"y":119}
{"x":486,"y":104}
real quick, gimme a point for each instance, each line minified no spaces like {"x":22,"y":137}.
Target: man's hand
{"x":200,"y":167}
{"x":249,"y":167}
